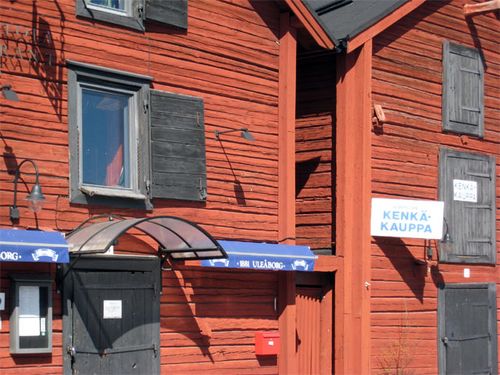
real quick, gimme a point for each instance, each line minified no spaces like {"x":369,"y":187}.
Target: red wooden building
{"x":174,"y":141}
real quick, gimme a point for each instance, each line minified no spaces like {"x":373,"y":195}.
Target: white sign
{"x":466,"y":273}
{"x":407,"y":218}
{"x":112,"y":309}
{"x":465,"y":191}
{"x":29,"y":311}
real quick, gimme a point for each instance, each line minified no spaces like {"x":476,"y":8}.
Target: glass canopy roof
{"x":177,"y":238}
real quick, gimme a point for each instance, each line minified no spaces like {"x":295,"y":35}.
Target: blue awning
{"x":263,"y":256}
{"x":18,"y":245}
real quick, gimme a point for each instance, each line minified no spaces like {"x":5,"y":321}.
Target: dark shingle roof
{"x":344,"y":19}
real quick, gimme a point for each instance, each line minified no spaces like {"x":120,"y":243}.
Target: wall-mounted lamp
{"x":35,"y":197}
{"x":244,"y":133}
{"x":447,"y":236}
{"x":8,"y":93}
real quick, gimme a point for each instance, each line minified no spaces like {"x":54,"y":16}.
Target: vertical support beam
{"x":326,"y":347}
{"x":287,"y":359}
{"x":352,"y":340}
{"x":286,"y":130}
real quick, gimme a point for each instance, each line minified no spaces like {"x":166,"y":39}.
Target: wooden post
{"x":286,"y":131}
{"x":352,"y":314}
{"x":287,"y":362}
{"x":287,"y":359}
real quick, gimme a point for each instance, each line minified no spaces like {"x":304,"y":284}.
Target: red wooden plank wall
{"x":229,"y":57}
{"x":407,"y":82}
{"x":233,"y":305}
{"x":315,"y":164}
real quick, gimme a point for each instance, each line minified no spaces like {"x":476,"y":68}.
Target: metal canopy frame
{"x":177,"y":238}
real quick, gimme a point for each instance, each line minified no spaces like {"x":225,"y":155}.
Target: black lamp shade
{"x":9,"y":94}
{"x":247,"y":135}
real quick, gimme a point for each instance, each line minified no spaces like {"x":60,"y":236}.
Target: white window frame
{"x":138,"y":194}
{"x":134,"y":191}
{"x":132,"y":17}
{"x":126,"y":12}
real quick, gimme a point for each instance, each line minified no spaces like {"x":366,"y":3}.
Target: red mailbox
{"x":267,"y":343}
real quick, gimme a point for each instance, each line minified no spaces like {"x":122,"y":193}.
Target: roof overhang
{"x":326,"y":38}
{"x":177,"y":238}
{"x":383,"y":24}
{"x":310,"y":23}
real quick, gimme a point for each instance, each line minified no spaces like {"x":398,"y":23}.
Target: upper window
{"x":107,"y":129}
{"x":467,"y":187}
{"x":107,"y":122}
{"x":118,"y":6}
{"x":133,"y":13}
{"x":463,"y":103}
{"x":130,"y":144}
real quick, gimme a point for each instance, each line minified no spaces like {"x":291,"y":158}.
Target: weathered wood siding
{"x":315,"y":165}
{"x":407,"y":82}
{"x":229,"y":57}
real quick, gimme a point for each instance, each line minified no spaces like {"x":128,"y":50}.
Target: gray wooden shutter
{"x":470,"y":225}
{"x":463,"y":99}
{"x":170,"y":12}
{"x":467,"y":329}
{"x":177,"y":147}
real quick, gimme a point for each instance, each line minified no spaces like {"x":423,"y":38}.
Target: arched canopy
{"x":178,"y":238}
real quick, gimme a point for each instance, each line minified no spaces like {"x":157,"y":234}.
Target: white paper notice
{"x":29,"y":311}
{"x":112,"y":309}
{"x":465,"y":191}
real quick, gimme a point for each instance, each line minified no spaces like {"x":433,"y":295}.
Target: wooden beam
{"x":480,"y":8}
{"x":383,"y":24}
{"x":328,"y":263}
{"x":353,"y":158}
{"x":310,"y":23}
{"x":286,"y":131}
{"x":287,"y":359}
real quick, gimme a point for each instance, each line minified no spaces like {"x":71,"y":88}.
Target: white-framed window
{"x":109,"y":136}
{"x":107,"y":124}
{"x":122,"y":7}
{"x":128,"y":144}
{"x":134,"y":13}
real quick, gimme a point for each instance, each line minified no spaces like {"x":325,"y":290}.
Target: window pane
{"x":105,"y":138}
{"x":112,"y":4}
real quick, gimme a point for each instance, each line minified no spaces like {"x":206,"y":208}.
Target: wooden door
{"x":314,"y":309}
{"x":467,"y":328}
{"x":113,"y":318}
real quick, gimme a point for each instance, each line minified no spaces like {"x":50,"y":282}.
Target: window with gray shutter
{"x":177,"y":147}
{"x":132,"y":13}
{"x":108,"y":137}
{"x":463,"y":102}
{"x":467,"y":186}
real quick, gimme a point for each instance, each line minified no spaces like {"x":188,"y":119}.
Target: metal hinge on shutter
{"x":478,"y":174}
{"x":140,"y":11}
{"x":145,"y":105}
{"x":202,"y":190}
{"x":148,"y":187}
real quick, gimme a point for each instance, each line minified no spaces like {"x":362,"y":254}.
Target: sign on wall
{"x":465,"y":191}
{"x":407,"y":218}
